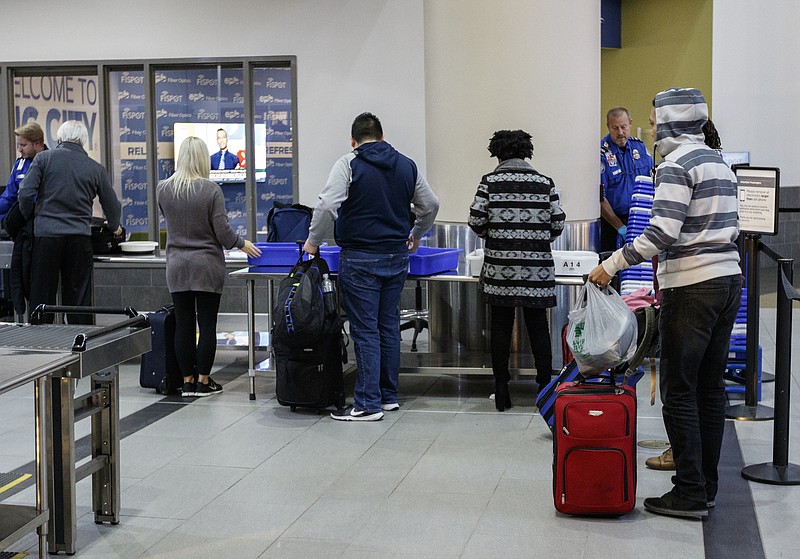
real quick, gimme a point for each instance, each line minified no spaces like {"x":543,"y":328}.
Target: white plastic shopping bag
{"x":602,"y":330}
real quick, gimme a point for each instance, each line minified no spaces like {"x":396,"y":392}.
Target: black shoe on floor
{"x":203,"y":390}
{"x":350,"y":413}
{"x":671,"y":505}
{"x":188,"y":389}
{"x":502,"y":398}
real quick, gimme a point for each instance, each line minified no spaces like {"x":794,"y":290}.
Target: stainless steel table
{"x":418,"y":361}
{"x":19,"y":369}
{"x":56,"y":356}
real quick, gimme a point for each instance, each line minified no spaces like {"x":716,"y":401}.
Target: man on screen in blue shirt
{"x":622,"y":159}
{"x":223,"y":159}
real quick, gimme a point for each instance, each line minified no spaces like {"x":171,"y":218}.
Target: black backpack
{"x":288,"y":222}
{"x":299,"y":317}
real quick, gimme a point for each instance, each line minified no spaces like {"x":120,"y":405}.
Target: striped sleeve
{"x":557,"y":215}
{"x":670,"y":206}
{"x":479,"y":211}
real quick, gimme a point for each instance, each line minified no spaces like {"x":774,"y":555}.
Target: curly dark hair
{"x":511,"y":144}
{"x":711,"y":135}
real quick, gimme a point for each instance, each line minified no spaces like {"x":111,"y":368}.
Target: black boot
{"x":502,"y":399}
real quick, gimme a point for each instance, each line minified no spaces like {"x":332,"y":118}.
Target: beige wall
{"x":664,"y":44}
{"x":529,"y":64}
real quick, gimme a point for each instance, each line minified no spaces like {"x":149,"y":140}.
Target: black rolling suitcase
{"x":312,"y":377}
{"x":159,"y":368}
{"x":308,"y":342}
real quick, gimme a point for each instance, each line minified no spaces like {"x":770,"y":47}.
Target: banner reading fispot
{"x":52,"y":100}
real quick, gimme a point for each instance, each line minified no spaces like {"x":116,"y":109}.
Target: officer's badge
{"x":636,"y":154}
{"x":611,"y":159}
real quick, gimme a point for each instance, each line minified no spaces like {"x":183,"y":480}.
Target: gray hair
{"x":73,"y":131}
{"x":617,"y":111}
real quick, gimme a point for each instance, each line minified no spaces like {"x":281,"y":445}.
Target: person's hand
{"x":118,"y":232}
{"x":599,"y":276}
{"x":250,"y":249}
{"x":412,"y":243}
{"x":310,"y":249}
{"x":622,"y":230}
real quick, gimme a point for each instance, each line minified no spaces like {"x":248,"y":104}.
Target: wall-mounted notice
{"x":758,"y":199}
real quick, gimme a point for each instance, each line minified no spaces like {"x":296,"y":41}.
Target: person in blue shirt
{"x":230,"y":159}
{"x":622,"y":159}
{"x":30,"y":141}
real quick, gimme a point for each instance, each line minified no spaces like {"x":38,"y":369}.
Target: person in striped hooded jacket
{"x":693,"y":230}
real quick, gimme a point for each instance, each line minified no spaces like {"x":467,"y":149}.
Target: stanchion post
{"x":779,"y":471}
{"x":751,"y":410}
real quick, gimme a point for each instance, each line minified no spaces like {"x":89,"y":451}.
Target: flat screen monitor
{"x":215,"y":134}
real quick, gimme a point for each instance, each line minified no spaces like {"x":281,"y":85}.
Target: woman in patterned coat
{"x":517,"y":212}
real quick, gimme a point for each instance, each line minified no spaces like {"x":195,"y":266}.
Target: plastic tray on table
{"x":276,"y":254}
{"x":433,"y":260}
{"x":331,"y":256}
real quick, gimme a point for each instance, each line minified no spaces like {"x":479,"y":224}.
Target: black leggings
{"x":502,"y":326}
{"x":195,"y":355}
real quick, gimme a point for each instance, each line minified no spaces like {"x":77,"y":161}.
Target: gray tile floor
{"x":444,"y":477}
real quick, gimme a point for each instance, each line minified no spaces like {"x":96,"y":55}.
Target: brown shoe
{"x":663,"y":462}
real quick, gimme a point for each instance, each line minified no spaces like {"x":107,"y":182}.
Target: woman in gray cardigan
{"x":197,"y":226}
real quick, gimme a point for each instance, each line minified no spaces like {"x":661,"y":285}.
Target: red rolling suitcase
{"x":594,"y":449}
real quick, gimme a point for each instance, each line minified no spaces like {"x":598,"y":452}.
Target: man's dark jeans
{"x":695,"y":326}
{"x":371,"y":285}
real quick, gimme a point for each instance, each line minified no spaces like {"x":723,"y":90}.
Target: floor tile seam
{"x":408,"y":472}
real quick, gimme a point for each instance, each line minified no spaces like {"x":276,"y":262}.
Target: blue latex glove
{"x":623,"y":229}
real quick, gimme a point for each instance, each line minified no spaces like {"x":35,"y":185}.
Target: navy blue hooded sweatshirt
{"x":376,"y":217}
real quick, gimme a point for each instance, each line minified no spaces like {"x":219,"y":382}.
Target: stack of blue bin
{"x":737,"y":354}
{"x":640,"y":275}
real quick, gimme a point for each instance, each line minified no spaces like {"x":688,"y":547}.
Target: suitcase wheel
{"x":293,"y":408}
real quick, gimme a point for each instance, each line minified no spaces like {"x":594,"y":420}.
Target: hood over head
{"x":379,"y":153}
{"x":680,"y":116}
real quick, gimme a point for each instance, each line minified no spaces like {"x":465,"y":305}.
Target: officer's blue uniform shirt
{"x":620,"y":167}
{"x":9,"y":195}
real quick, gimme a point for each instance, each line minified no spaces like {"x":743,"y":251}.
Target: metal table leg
{"x":251,"y":336}
{"x":105,"y":443}
{"x":61,"y":477}
{"x":40,"y":405}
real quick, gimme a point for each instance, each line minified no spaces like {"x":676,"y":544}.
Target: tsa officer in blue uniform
{"x":622,"y":159}
{"x":30,"y":141}
{"x":229,"y":160}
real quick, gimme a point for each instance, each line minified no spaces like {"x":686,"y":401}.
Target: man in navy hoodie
{"x":368,"y":198}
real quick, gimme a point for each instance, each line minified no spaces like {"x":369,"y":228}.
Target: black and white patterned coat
{"x":517,"y":212}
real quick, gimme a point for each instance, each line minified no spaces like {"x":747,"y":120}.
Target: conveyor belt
{"x":40,"y":338}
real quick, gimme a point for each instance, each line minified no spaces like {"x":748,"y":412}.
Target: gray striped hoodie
{"x":695,"y":223}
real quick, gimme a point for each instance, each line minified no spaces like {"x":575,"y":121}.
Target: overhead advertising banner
{"x":51,"y":100}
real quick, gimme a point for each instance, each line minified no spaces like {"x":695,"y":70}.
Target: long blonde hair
{"x":193,"y":163}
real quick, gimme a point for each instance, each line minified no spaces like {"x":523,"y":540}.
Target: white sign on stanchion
{"x":758,"y":199}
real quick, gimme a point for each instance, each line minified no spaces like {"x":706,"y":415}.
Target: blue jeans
{"x":371,"y":285}
{"x":695,"y":326}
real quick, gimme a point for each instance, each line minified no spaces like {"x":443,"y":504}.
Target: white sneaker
{"x":390,"y":407}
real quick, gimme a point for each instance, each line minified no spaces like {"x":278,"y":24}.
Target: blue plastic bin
{"x":331,"y":256}
{"x":276,"y":254}
{"x":427,"y":261}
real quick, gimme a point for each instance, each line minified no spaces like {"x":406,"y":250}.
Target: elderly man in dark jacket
{"x":57,"y":193}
